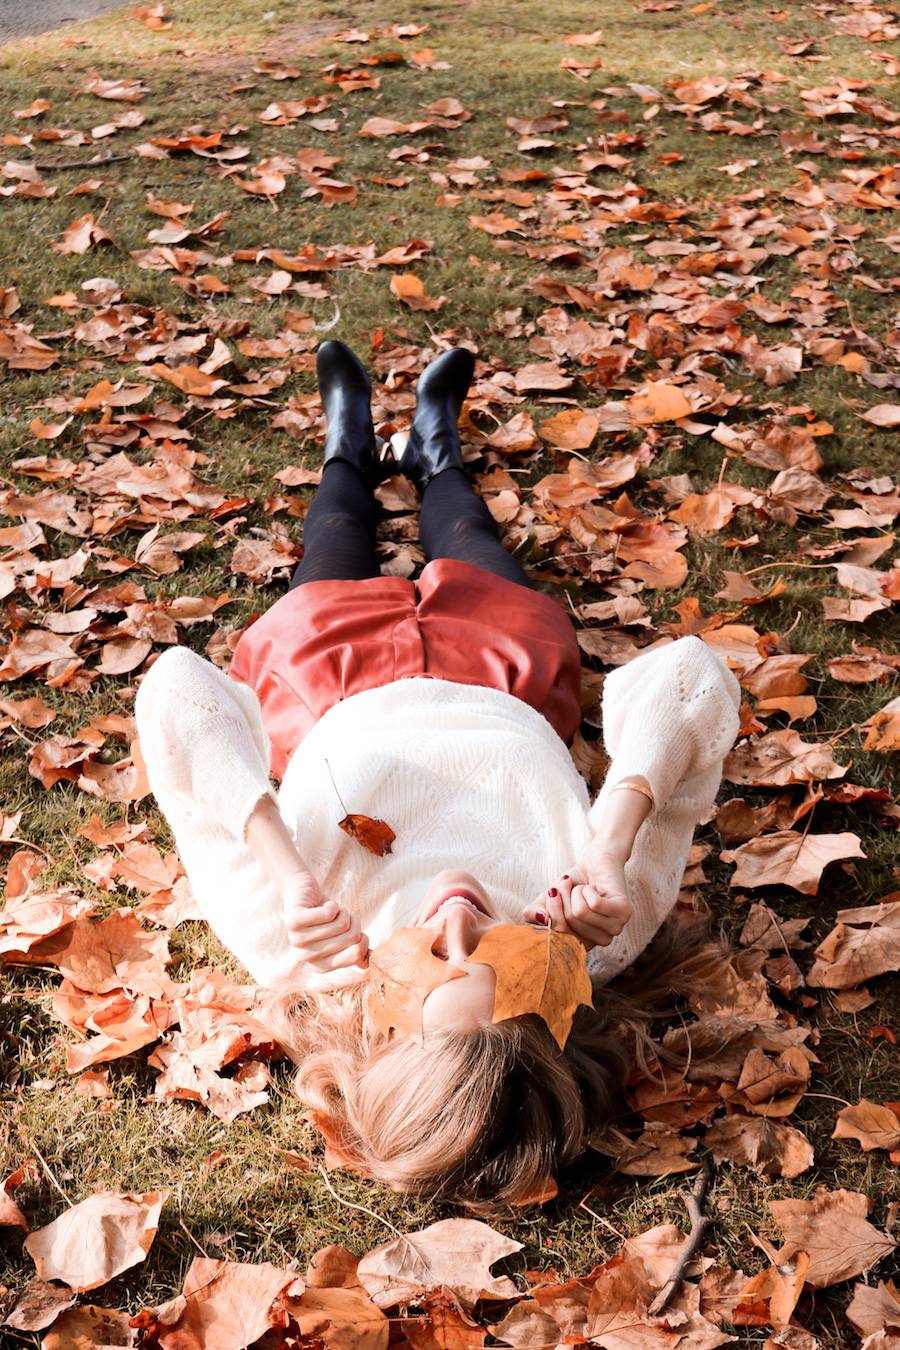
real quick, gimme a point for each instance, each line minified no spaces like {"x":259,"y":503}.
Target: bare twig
{"x":46,"y":1166}
{"x":363,"y":1209}
{"x":50,"y":165}
{"x":700,"y":1223}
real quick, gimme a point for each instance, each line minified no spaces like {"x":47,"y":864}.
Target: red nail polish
{"x":565,"y":876}
{"x":540,"y":917}
{"x":553,"y":891}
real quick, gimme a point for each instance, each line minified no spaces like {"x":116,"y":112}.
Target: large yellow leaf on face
{"x":537,"y":972}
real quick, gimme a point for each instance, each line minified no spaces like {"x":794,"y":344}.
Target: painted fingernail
{"x":565,"y":876}
{"x":540,"y":917}
{"x":553,"y":891}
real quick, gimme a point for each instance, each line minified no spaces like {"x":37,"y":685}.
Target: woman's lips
{"x":463,"y":893}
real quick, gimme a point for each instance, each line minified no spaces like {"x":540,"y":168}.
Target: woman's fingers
{"x":595,"y":917}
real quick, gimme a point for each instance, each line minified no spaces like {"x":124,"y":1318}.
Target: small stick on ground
{"x":49,"y":165}
{"x":700,"y":1224}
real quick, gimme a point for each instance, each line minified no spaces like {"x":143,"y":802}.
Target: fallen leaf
{"x":865,"y":943}
{"x":871,"y":1124}
{"x":452,"y":1254}
{"x":409,"y":288}
{"x":223,"y":1305}
{"x":872,"y":1310}
{"x":781,"y":758}
{"x":97,"y":1239}
{"x":789,"y":858}
{"x":90,"y":1328}
{"x":775,"y":1149}
{"x":834,"y":1230}
{"x":883,"y":415}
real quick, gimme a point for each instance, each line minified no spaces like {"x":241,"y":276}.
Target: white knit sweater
{"x":466,"y":776}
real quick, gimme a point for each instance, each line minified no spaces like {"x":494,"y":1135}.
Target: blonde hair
{"x":487,"y":1118}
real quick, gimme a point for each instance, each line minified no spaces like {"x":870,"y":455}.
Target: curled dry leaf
{"x":452,"y":1254}
{"x":10,"y":1214}
{"x":834,"y":1230}
{"x":97,"y":1239}
{"x":779,"y":759}
{"x":374,"y":835}
{"x":872,"y":1124}
{"x":865,"y":943}
{"x":40,"y":1304}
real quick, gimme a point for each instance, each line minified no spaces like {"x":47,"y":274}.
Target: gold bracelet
{"x":634,"y":787}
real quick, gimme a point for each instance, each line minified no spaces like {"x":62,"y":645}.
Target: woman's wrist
{"x":623,"y":815}
{"x":272,"y":845}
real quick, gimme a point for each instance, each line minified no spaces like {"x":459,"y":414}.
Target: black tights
{"x":339,"y":531}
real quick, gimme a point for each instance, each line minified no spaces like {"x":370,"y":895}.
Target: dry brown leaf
{"x":10,"y":1214}
{"x":223,"y":1305}
{"x":779,"y":1287}
{"x":571,"y":429}
{"x":110,"y":954}
{"x":660,"y":402}
{"x":775,"y":1149}
{"x":781,"y":758}
{"x":871,"y":1124}
{"x":883,"y":729}
{"x":342,"y":1319}
{"x":39,"y":1304}
{"x":452,"y":1254}
{"x":97,"y":1239}
{"x":875,"y":1309}
{"x":789,"y":858}
{"x":410,"y":289}
{"x":375,"y":835}
{"x":90,"y":1328}
{"x":659,"y":1152}
{"x":770,"y":1085}
{"x":883,"y":415}
{"x":834,"y":1230}
{"x":865,"y":943}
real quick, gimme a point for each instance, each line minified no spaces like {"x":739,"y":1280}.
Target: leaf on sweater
{"x":789,"y":858}
{"x":872,"y":1124}
{"x":402,"y":973}
{"x":452,"y":1254}
{"x":97,"y":1239}
{"x":374,"y":835}
{"x":537,"y":971}
{"x":865,"y":943}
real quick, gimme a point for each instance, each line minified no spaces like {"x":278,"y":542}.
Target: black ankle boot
{"x":433,"y":444}
{"x":346,"y":392}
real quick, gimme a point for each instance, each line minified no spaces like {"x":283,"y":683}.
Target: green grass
{"x":504,"y":62}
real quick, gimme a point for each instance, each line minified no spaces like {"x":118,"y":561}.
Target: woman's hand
{"x":590,"y":901}
{"x":323,"y":935}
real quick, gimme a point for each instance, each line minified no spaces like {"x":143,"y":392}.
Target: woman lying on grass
{"x":442,"y":707}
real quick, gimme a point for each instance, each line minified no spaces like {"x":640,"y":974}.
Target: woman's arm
{"x":323,"y":935}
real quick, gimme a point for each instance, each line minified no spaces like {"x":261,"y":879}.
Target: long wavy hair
{"x":485,"y":1119}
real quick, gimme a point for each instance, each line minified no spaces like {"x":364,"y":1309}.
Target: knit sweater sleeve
{"x":207,"y":758}
{"x":670,"y":715}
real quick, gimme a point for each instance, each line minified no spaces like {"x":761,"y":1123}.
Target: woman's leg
{"x":455,"y":523}
{"x":339,"y":531}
